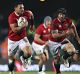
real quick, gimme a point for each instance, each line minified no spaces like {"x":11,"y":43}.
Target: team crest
{"x":60,"y":26}
{"x":44,"y":31}
{"x":48,"y":30}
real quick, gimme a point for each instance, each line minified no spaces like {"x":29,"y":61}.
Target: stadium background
{"x":40,"y":10}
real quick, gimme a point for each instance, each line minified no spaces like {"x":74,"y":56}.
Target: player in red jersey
{"x":17,"y":33}
{"x":62,"y":27}
{"x":41,"y":37}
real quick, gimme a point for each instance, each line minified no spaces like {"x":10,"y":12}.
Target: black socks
{"x":11,"y":66}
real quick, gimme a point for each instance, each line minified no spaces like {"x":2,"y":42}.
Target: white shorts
{"x":12,"y":45}
{"x":53,"y":47}
{"x":38,"y":49}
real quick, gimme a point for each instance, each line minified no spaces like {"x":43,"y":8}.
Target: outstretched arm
{"x":75,"y":32}
{"x":31,"y":21}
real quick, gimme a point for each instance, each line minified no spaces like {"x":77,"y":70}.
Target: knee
{"x":46,"y":55}
{"x":29,"y":50}
{"x":11,"y":57}
{"x":56,"y":60}
{"x":47,"y":58}
{"x":44,"y":58}
{"x":75,"y":57}
{"x":29,"y":54}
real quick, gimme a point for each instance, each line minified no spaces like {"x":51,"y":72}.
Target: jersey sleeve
{"x":30,"y":18}
{"x":69,"y":22}
{"x":39,"y":30}
{"x":54,"y":25}
{"x":12,"y":20}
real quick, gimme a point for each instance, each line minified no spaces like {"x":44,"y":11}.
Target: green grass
{"x":37,"y":73}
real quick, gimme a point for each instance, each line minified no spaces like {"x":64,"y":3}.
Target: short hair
{"x":47,"y":18}
{"x":18,"y":3}
{"x":61,"y":10}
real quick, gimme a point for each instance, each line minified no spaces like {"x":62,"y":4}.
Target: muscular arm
{"x":37,"y":38}
{"x":75,"y":31}
{"x":31,"y":20}
{"x":15,"y":28}
{"x":58,"y":35}
{"x":13,"y":24}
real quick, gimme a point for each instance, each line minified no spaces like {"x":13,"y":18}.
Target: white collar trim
{"x":44,"y":25}
{"x":16,"y":13}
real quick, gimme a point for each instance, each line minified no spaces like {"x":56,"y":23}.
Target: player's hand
{"x":69,"y":32}
{"x":79,"y":40}
{"x":32,"y":28}
{"x":46,"y":43}
{"x":25,"y":24}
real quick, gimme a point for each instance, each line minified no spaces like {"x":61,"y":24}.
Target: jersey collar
{"x":44,"y":25}
{"x":16,"y":13}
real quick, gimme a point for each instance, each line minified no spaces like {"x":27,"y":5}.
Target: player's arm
{"x":13,"y":23}
{"x":38,"y":39}
{"x":15,"y":28}
{"x":75,"y":31}
{"x":57,"y":34}
{"x":31,"y":20}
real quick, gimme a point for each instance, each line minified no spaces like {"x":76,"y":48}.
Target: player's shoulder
{"x":40,"y":26}
{"x":68,"y":20}
{"x":28,"y":12}
{"x":55,"y":20}
{"x":12,"y":15}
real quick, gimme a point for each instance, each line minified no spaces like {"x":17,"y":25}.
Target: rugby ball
{"x":21,"y":21}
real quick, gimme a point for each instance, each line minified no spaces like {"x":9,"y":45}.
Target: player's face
{"x":48,"y":23}
{"x":61,"y":16}
{"x":20,"y":9}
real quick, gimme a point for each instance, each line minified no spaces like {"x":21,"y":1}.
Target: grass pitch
{"x":37,"y":73}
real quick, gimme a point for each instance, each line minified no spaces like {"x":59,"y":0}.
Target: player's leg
{"x":56,"y":59}
{"x":11,"y":52}
{"x":25,"y":46}
{"x":42,"y":56}
{"x":54,"y":50}
{"x":76,"y":55}
{"x":57,"y":64}
{"x":24,"y":59}
{"x":65,"y":58}
{"x":68,"y":51}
